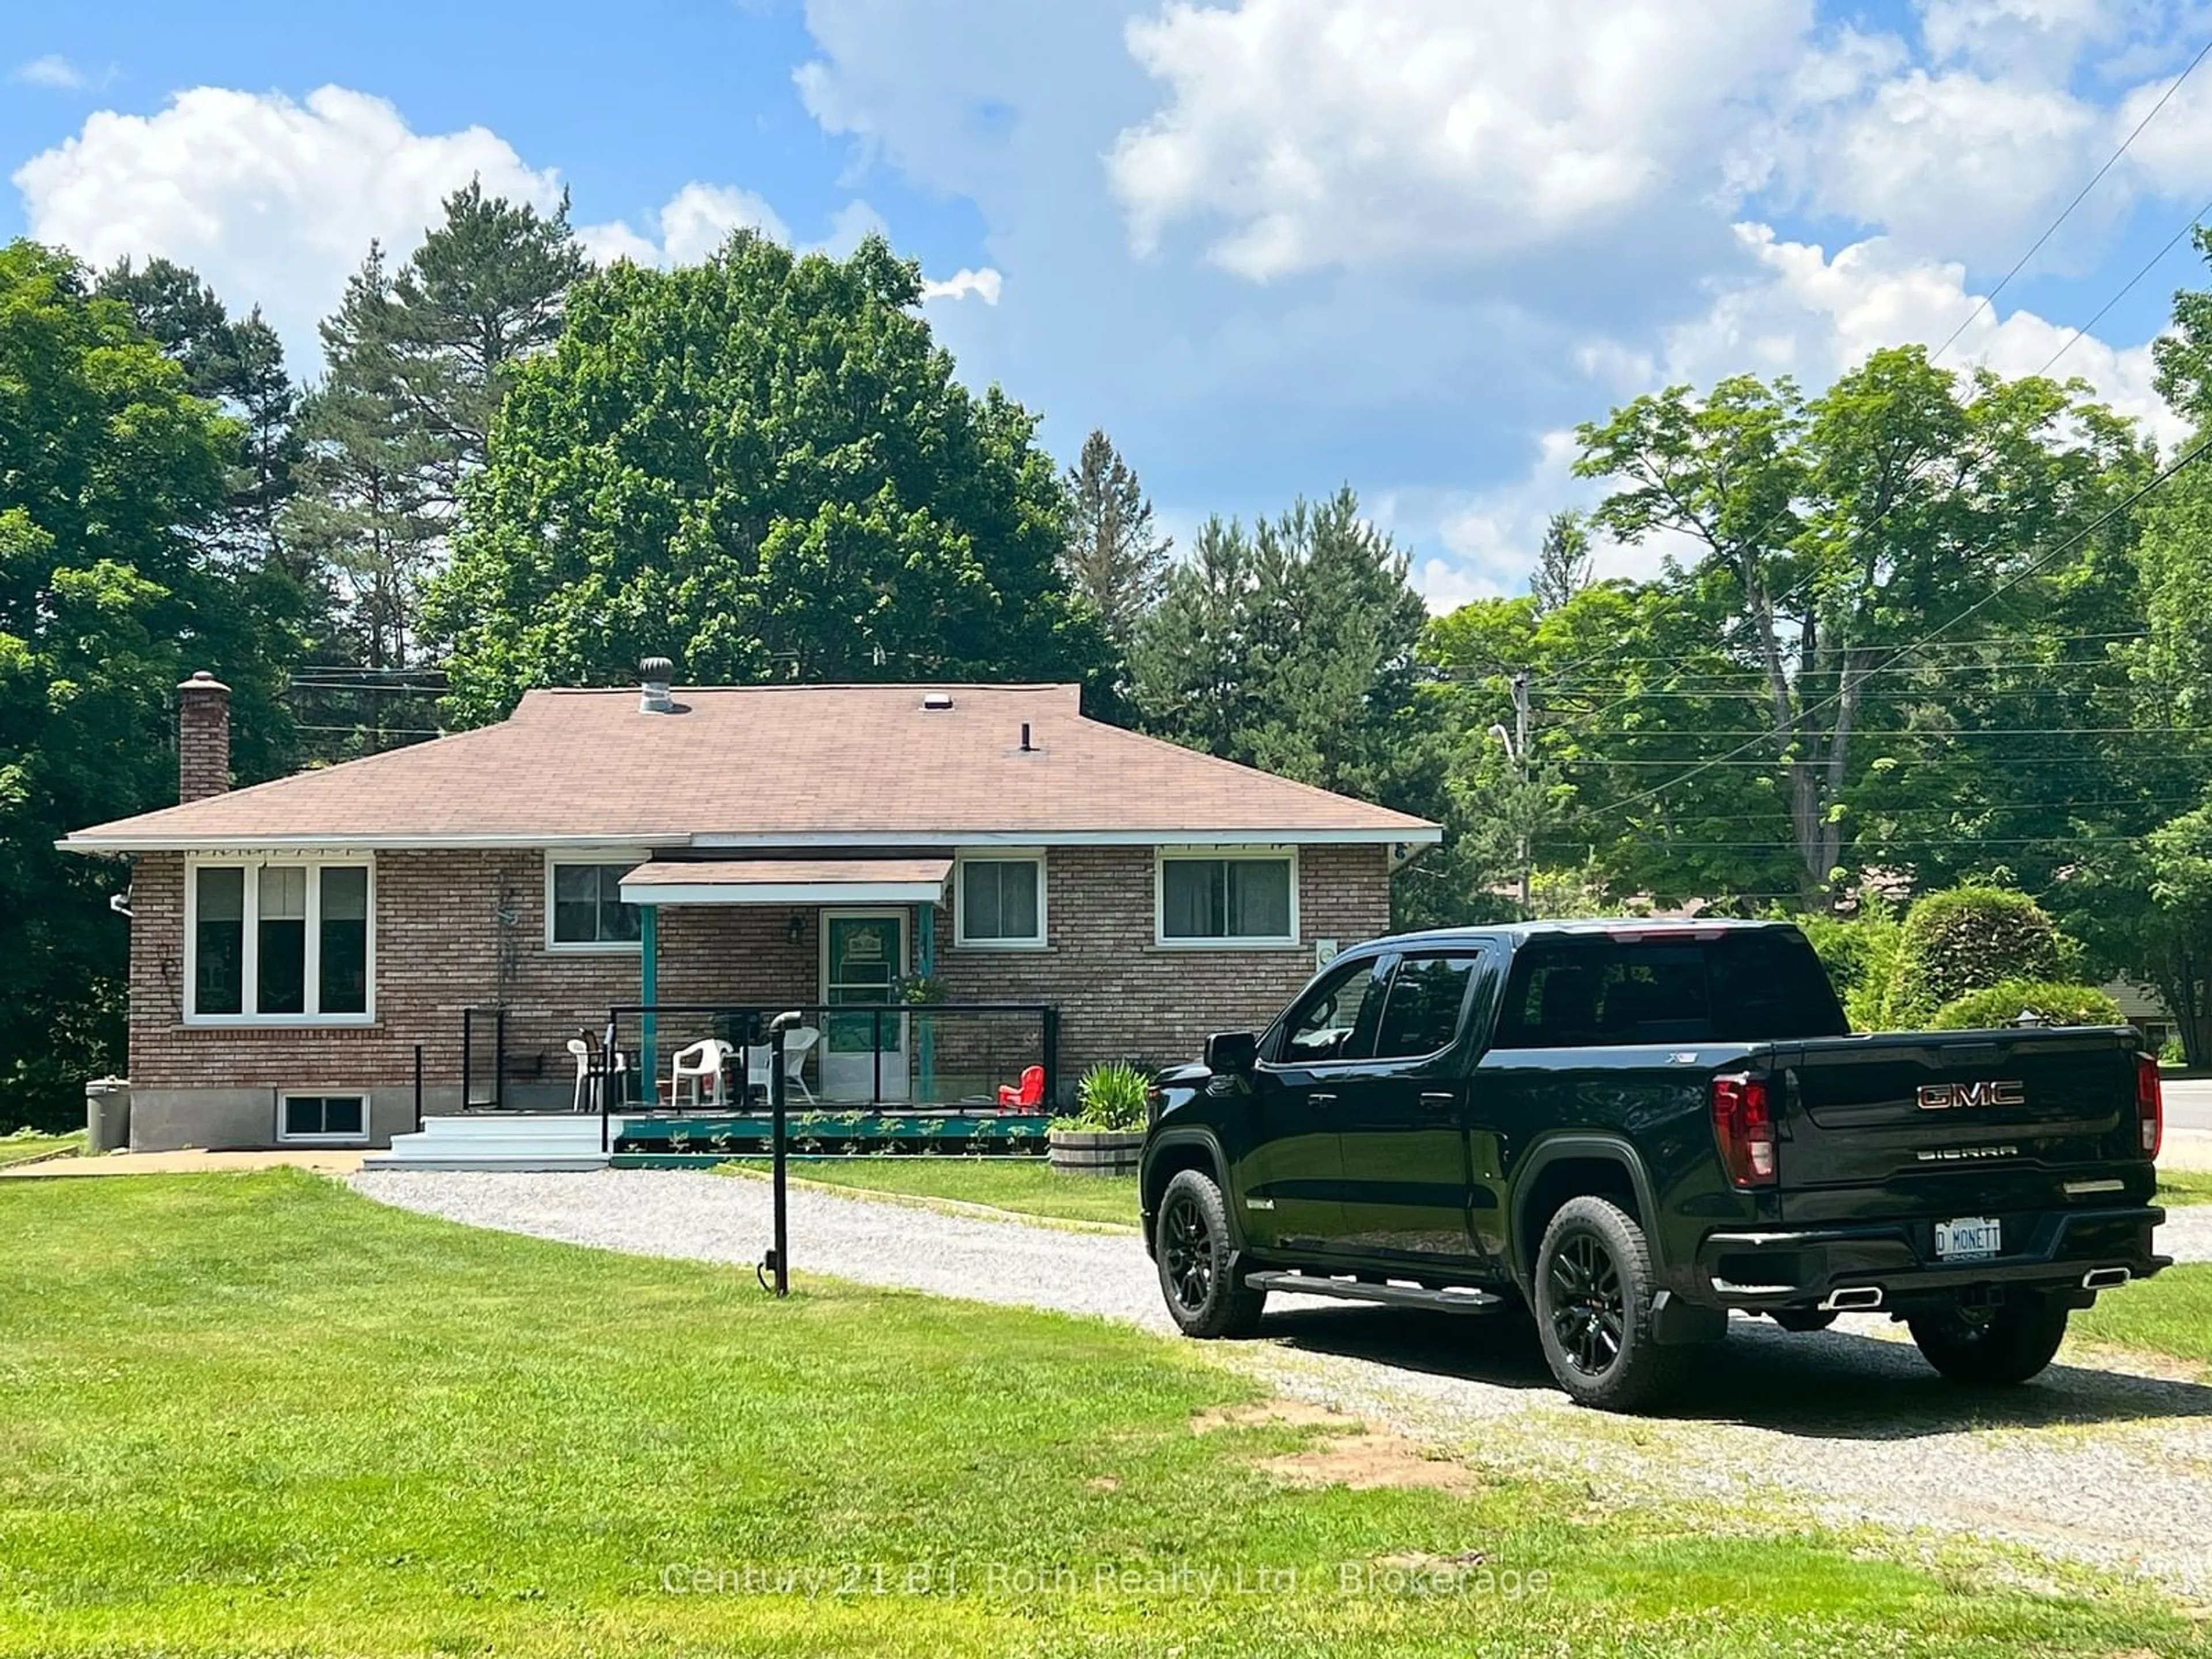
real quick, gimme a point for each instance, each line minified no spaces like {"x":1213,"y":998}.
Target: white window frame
{"x":250,"y":952}
{"x":593,"y":856}
{"x":1011,"y":855}
{"x":285,"y":1096}
{"x":1161,"y":857}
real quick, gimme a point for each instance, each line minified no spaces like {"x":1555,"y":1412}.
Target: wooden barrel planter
{"x":1096,"y":1152}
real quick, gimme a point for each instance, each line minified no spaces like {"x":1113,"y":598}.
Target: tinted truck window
{"x":1422,"y":1012}
{"x":1606,"y":991}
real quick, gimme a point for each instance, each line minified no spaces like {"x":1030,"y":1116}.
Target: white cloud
{"x":1359,"y":132}
{"x":52,"y":70}
{"x":1971,"y":166}
{"x":984,"y":284}
{"x":1812,"y":316}
{"x":272,"y":201}
{"x":2041,"y":37}
{"x":691,"y":224}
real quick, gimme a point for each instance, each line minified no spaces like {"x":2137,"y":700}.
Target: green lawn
{"x":2184,"y":1186}
{"x":1028,"y":1186}
{"x":26,"y":1143}
{"x":256,"y":1414}
{"x":2169,"y":1315}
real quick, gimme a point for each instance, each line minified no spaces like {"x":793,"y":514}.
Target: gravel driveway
{"x":2102,"y":1462}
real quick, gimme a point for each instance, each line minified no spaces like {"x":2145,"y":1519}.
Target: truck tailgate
{"x":1929,"y":1124}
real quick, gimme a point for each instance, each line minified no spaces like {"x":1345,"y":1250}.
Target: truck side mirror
{"x":1232,"y":1053}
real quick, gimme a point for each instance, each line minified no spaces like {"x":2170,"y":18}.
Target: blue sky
{"x":1270,"y":245}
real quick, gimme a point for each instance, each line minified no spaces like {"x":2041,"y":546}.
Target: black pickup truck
{"x":1631,"y":1129}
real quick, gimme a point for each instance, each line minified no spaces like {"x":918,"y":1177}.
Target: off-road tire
{"x":2006,"y":1345}
{"x":1594,"y":1284}
{"x":1192,"y":1247}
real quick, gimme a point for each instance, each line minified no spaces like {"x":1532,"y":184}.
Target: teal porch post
{"x":649,"y":992}
{"x":925,"y":947}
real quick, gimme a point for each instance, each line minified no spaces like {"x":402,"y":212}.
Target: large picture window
{"x":279,"y":940}
{"x":1000,"y":901}
{"x":1245,"y":898}
{"x":585,"y":909}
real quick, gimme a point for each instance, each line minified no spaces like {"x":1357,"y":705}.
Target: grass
{"x":2180,"y":1186}
{"x":1027,"y":1186}
{"x":26,"y":1144}
{"x":256,"y":1414}
{"x":2171,"y":1315}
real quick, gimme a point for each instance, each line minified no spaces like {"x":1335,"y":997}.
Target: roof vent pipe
{"x":1027,"y":748}
{"x":655,"y":675}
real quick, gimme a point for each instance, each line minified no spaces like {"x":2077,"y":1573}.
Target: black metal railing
{"x":480,"y":1071}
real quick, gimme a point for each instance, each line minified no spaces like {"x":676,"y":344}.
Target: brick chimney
{"x":203,"y":737}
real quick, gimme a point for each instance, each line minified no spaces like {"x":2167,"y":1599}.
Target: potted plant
{"x":1106,"y":1134}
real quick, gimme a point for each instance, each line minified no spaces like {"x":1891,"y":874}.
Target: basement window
{"x":327,"y":1117}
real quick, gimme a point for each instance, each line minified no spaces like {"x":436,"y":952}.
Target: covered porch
{"x":875,"y":1027}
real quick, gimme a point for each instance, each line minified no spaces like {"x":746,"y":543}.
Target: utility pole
{"x":1516,"y":751}
{"x":1521,"y":764}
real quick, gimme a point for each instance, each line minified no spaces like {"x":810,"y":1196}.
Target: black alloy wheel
{"x":1197,"y":1257}
{"x":1590,"y":1314}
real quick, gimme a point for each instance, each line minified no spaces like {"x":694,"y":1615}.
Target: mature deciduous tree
{"x":763,"y":467}
{"x":1832,"y":536}
{"x":111,"y":471}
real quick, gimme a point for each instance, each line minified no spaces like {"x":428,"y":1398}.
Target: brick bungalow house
{"x":293,"y":942}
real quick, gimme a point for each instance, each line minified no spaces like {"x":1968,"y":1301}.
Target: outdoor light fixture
{"x":795,"y":929}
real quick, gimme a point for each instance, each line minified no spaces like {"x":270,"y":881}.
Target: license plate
{"x":1968,"y":1237}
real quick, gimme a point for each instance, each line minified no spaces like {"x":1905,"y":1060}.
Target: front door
{"x":864,"y":958}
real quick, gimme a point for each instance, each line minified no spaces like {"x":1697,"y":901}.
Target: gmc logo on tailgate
{"x":1946,"y":1097}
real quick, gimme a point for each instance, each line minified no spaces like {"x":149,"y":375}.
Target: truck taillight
{"x":2150,"y":1106}
{"x":1743,"y":1126}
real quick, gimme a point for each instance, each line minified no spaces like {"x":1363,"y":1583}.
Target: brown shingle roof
{"x":769,"y":765}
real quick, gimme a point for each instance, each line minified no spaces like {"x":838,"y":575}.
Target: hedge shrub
{"x":2059,"y":1002}
{"x":1860,"y":954}
{"x":1967,"y":938}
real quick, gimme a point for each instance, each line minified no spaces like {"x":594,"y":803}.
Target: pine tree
{"x":1563,"y":566}
{"x":367,"y":513}
{"x":1112,"y":558}
{"x":485,"y":290}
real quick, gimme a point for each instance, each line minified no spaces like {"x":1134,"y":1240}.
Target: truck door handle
{"x":1438,"y":1100}
{"x":1322,"y":1100}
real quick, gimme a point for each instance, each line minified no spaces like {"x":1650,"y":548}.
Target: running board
{"x":1457,"y":1298}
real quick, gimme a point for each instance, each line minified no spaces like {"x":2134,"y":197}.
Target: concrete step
{"x":519,"y":1162}
{"x":500,"y":1141}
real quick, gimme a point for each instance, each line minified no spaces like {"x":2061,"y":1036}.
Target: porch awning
{"x":789,"y":881}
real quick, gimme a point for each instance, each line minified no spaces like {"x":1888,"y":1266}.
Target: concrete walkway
{"x":193,"y":1160}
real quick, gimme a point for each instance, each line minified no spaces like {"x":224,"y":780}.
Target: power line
{"x":1877,"y":736}
{"x":2029,"y":569}
{"x":1989,"y":300}
{"x":1671,"y":844}
{"x":2112,"y":161}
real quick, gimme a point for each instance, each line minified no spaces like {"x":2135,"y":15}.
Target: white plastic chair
{"x":699,"y":1065}
{"x":591,"y":1082}
{"x":797,"y":1043}
{"x":582,"y":1050}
